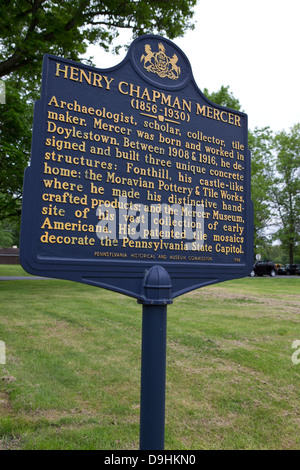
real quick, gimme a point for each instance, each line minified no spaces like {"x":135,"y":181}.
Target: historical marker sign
{"x":133,"y":167}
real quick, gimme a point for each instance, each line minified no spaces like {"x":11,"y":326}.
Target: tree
{"x":260,"y":143}
{"x":286,"y":188}
{"x":15,"y":139}
{"x":223,"y":97}
{"x":31,"y":28}
{"x":9,"y":232}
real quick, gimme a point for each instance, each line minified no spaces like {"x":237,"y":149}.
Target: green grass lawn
{"x":72,"y":373}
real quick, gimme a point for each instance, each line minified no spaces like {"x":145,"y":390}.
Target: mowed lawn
{"x":72,"y":373}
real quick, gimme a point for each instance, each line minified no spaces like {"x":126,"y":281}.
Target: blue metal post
{"x":153,"y":377}
{"x":157,"y":295}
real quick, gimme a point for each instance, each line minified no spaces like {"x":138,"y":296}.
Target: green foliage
{"x":223,"y":97}
{"x":286,"y":188}
{"x":5,"y":237}
{"x":260,"y":145}
{"x":15,"y":140}
{"x":275,"y":182}
{"x":9,"y":232}
{"x":269,"y":251}
{"x":28,"y":30}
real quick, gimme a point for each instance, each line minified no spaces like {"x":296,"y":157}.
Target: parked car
{"x":261,"y":268}
{"x":281,"y":271}
{"x":289,"y":269}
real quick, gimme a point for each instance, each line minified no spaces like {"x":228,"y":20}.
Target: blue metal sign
{"x":133,"y":167}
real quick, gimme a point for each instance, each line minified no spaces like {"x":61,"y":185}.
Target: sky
{"x":252,"y":46}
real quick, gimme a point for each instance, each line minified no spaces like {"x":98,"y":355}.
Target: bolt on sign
{"x":133,"y":167}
